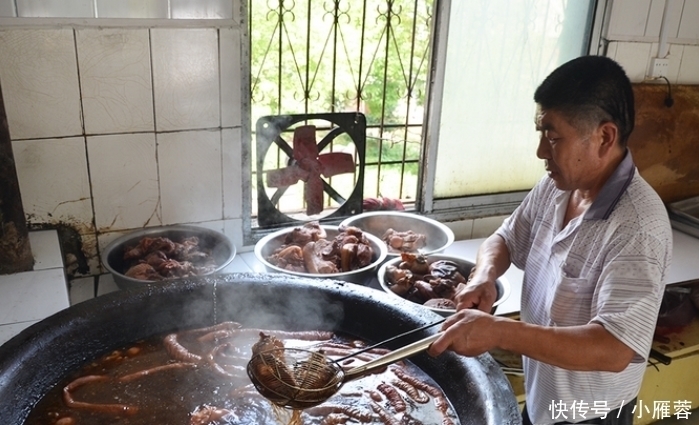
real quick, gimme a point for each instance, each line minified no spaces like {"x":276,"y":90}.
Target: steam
{"x":280,"y":302}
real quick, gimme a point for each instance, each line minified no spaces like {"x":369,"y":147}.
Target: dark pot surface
{"x":42,"y":355}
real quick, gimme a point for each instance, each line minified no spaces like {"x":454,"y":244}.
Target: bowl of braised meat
{"x":156,"y":254}
{"x":431,"y":280}
{"x":404,"y":232}
{"x":322,"y":251}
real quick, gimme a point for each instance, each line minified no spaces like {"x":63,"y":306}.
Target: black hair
{"x":590,"y":90}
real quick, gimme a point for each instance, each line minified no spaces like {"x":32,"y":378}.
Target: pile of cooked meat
{"x":161,"y":258}
{"x":307,"y":249}
{"x":407,"y":241}
{"x":431,"y":283}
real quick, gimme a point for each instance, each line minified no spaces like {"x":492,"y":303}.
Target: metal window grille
{"x":327,"y":56}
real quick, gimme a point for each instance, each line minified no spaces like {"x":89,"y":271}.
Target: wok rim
{"x":44,"y":354}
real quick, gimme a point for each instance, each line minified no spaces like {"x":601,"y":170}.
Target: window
{"x":371,"y":56}
{"x":483,"y":111}
{"x":481,"y":59}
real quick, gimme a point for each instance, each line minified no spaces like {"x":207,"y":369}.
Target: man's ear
{"x":609,"y":137}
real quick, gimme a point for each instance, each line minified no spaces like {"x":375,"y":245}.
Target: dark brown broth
{"x":170,"y":397}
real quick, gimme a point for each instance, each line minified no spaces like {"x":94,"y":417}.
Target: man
{"x":594,"y":241}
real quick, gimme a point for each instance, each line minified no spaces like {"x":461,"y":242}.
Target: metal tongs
{"x":386,"y":341}
{"x":391,"y":357}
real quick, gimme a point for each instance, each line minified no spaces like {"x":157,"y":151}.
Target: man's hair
{"x":590,"y":90}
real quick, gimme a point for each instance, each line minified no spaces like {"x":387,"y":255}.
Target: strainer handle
{"x":392,"y":357}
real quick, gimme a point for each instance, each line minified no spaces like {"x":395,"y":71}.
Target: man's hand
{"x":480,"y":295}
{"x":480,"y":292}
{"x":468,"y":332}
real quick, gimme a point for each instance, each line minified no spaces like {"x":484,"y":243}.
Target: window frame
{"x":470,"y":207}
{"x":445,"y":210}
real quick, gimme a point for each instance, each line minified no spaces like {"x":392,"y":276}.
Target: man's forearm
{"x":586,"y":347}
{"x":492,"y":260}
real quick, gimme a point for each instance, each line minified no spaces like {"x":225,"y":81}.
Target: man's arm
{"x":492,"y":261}
{"x":584,"y":348}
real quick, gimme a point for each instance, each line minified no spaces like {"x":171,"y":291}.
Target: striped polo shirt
{"x":607,"y":266}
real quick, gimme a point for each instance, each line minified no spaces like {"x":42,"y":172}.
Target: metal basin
{"x":465,"y":266}
{"x":222,"y":249}
{"x":268,"y":244}
{"x":438,"y":236}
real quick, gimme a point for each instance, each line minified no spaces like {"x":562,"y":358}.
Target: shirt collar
{"x":612,"y":190}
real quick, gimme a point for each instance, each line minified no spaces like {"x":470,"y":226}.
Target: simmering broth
{"x":198,"y":377}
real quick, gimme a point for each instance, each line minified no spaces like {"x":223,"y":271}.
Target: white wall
{"x":158,"y":9}
{"x":634,"y":36}
{"x":127,"y":125}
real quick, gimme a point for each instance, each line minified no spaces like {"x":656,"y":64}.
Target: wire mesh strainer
{"x":299,"y":379}
{"x":294,"y":377}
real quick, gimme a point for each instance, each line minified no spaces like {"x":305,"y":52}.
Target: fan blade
{"x":314,"y":195}
{"x":286,"y":176}
{"x":336,"y":163}
{"x":305,"y":143}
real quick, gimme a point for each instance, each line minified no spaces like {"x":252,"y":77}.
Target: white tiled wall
{"x":689,"y":71}
{"x":231,"y":110}
{"x":190,"y":171}
{"x":132,"y":9}
{"x":634,"y":37}
{"x":53,"y":179}
{"x":476,"y":228}
{"x":119,"y":127}
{"x":641,"y":20}
{"x":7,"y":8}
{"x":185,"y":78}
{"x":201,"y":9}
{"x":28,"y":297}
{"x":124,"y":176}
{"x":155,"y":9}
{"x":231,"y":150}
{"x":39,"y":76}
{"x":115,"y":79}
{"x":50,"y":8}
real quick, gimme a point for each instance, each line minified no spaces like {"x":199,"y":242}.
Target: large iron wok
{"x":42,"y":355}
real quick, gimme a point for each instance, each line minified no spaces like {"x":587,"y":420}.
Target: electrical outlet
{"x":658,"y":67}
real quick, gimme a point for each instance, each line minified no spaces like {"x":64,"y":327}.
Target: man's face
{"x":571,"y":159}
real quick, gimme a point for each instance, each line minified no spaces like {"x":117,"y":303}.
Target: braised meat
{"x":407,"y":241}
{"x":309,"y":232}
{"x":431,"y":283}
{"x":270,"y":364}
{"x":143,"y":271}
{"x":306,"y":249}
{"x":290,"y":258}
{"x":382,"y":204}
{"x":266,"y":343}
{"x":161,"y":258}
{"x":443,"y":303}
{"x":315,"y":254}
